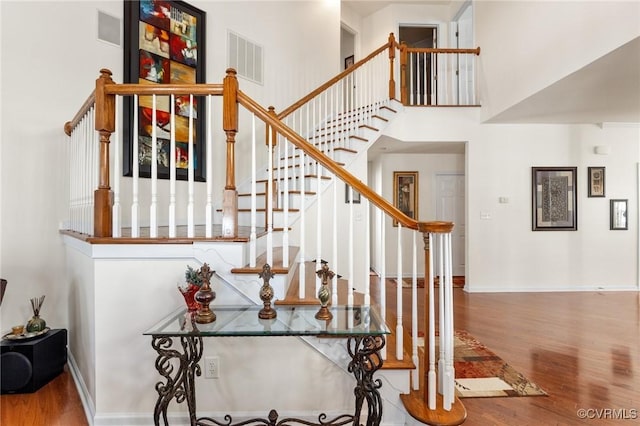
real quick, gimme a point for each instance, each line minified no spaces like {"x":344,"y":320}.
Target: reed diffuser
{"x":36,"y":324}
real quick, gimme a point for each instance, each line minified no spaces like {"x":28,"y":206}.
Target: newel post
{"x":392,"y":57}
{"x":105,"y":117}
{"x":403,"y":73}
{"x":230,"y":126}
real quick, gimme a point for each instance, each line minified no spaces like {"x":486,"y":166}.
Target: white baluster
{"x":382,"y":283}
{"x":116,"y":223}
{"x":270,"y":198}
{"x":351,"y":250}
{"x":285,"y":207}
{"x":301,"y":268}
{"x":172,"y":169}
{"x":441,"y":319}
{"x":431,"y":332}
{"x":367,"y":263}
{"x":135,"y":214}
{"x":209,"y":172}
{"x":334,"y":237}
{"x":414,"y":315}
{"x":153,"y":224}
{"x":448,"y":288}
{"x":190,"y":170}
{"x":253,"y":236}
{"x":399,"y":328}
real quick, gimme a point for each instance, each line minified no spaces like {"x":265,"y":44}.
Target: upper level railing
{"x":438,"y":77}
{"x":301,"y":183}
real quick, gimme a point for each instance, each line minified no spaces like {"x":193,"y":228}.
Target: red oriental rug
{"x":480,"y":373}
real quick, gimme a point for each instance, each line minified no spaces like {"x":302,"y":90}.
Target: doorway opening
{"x":422,"y":87}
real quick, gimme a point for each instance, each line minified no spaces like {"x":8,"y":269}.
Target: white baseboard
{"x":83,"y":392}
{"x":475,"y":289}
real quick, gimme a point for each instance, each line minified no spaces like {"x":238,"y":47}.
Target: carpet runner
{"x":480,"y":373}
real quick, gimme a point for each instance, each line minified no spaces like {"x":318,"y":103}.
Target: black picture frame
{"x":348,"y":61}
{"x":159,"y":38}
{"x":554,"y":199}
{"x":405,"y":193}
{"x":356,"y":195}
{"x":596,"y":181}
{"x":618,"y":214}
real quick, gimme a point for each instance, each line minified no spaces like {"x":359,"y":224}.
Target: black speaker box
{"x":26,"y":366}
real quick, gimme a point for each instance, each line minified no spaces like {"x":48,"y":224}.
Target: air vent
{"x":245,"y":57}
{"x":108,"y":28}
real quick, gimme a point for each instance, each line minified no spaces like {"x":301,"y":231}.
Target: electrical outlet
{"x":211,"y":367}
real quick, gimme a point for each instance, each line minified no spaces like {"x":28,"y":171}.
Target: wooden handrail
{"x":288,"y":111}
{"x":165,"y":89}
{"x":475,"y":51}
{"x":342,"y":173}
{"x":86,"y":106}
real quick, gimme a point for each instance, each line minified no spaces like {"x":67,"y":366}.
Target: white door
{"x":450,"y":206}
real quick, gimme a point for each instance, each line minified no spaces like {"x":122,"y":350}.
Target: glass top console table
{"x":362,"y":326}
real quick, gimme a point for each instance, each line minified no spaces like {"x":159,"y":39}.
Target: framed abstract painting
{"x":164,"y":44}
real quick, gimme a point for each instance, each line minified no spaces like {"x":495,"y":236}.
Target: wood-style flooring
{"x":583,"y":348}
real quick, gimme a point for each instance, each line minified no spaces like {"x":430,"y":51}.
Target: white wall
{"x":377,"y":26}
{"x":427,"y":166}
{"x":503,"y":253}
{"x":528,"y":45}
{"x":46,"y":76}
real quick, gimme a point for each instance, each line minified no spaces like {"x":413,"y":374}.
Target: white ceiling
{"x":366,"y":7}
{"x":606,"y":90}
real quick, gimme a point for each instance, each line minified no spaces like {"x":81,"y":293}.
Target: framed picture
{"x":554,"y":199}
{"x":347,"y":194}
{"x":596,"y":181}
{"x":618,"y":215}
{"x":405,"y":193}
{"x":348,"y":61}
{"x":164,"y":43}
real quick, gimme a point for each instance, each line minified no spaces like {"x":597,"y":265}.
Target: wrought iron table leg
{"x":179,"y":382}
{"x":365,"y":361}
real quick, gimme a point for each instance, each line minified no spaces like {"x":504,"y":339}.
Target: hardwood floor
{"x":582,"y":348}
{"x":55,"y":404}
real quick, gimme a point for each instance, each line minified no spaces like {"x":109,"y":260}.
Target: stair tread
{"x":291,"y":298}
{"x":276,"y":268}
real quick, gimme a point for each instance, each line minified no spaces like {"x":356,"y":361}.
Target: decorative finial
{"x":324,"y":294}
{"x":266,"y":293}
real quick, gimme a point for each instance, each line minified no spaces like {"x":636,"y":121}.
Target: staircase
{"x":292,"y":212}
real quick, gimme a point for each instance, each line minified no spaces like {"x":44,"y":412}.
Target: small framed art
{"x":596,"y":181}
{"x":405,"y":193}
{"x":618,"y":215}
{"x":348,"y":61}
